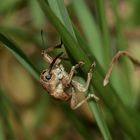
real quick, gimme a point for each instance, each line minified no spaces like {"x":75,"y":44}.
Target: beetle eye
{"x":48,"y":77}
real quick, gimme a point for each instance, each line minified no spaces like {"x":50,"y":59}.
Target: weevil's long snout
{"x":47,"y":74}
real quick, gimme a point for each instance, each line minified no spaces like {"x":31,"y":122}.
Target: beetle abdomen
{"x":61,"y":96}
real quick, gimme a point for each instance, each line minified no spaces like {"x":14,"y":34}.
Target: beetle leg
{"x":79,"y":86}
{"x":46,"y":57}
{"x":89,"y":76}
{"x":74,"y":101}
{"x":45,"y":52}
{"x":72,"y":71}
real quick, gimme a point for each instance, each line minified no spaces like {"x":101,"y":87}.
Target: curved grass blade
{"x":59,"y":9}
{"x":64,"y":17}
{"x":2,"y":137}
{"x":96,"y":110}
{"x":21,"y":57}
{"x":90,"y":30}
{"x":100,"y":121}
{"x":101,"y":11}
{"x":61,"y":12}
{"x":4,"y":113}
{"x":21,"y":34}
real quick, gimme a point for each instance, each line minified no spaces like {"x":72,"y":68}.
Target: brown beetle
{"x":61,"y":84}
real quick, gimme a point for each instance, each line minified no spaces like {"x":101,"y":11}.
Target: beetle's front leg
{"x":72,"y":71}
{"x":45,"y":52}
{"x":74,"y":99}
{"x":46,"y":56}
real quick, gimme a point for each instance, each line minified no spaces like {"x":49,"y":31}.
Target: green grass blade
{"x":36,"y":14}
{"x":21,"y":57}
{"x":90,"y":30}
{"x":60,"y":11}
{"x":2,"y":137}
{"x":4,"y":113}
{"x":99,"y":119}
{"x":101,"y":11}
{"x":63,"y":16}
{"x":121,"y":43}
{"x":135,"y":17}
{"x":7,"y":107}
{"x":21,"y":34}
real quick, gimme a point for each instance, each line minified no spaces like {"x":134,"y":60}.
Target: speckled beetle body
{"x":61,"y":84}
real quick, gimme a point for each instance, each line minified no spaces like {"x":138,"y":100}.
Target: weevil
{"x":61,"y":84}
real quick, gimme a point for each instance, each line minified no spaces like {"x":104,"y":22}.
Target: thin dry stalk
{"x":115,"y":60}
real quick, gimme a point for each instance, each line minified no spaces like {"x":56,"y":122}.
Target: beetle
{"x":61,"y":84}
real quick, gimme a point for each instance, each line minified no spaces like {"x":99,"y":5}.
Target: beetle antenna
{"x":42,"y":38}
{"x":54,"y":60}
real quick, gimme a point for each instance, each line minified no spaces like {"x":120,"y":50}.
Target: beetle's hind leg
{"x":74,"y":99}
{"x":77,"y":86}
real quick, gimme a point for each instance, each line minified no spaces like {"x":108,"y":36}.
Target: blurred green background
{"x":92,"y":30}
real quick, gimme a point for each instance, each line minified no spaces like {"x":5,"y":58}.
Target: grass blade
{"x":90,"y":30}
{"x":21,"y":34}
{"x":2,"y":137}
{"x":104,"y":30}
{"x":99,"y":119}
{"x":60,"y":11}
{"x":63,"y":16}
{"x":4,"y":112}
{"x":21,"y":57}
